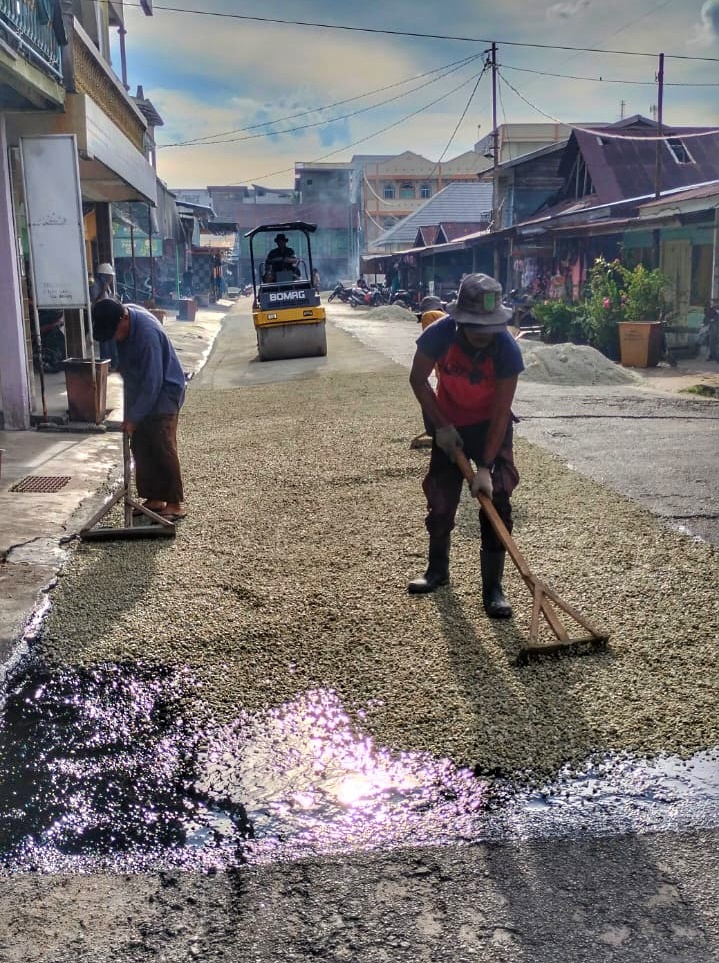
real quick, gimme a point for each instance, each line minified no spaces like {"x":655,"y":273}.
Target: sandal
{"x":138,"y":513}
{"x":172,"y":516}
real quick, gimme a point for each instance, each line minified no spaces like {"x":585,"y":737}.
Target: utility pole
{"x":495,"y":159}
{"x":658,"y":162}
{"x":660,"y":132}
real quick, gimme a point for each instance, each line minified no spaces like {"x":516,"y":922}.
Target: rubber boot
{"x":437,"y":570}
{"x":495,"y":604}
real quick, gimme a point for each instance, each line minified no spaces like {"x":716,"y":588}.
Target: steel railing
{"x":20,"y":23}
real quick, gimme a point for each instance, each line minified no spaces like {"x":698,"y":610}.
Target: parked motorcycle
{"x":405,"y":298}
{"x":708,"y":337}
{"x":359,"y":297}
{"x":522,"y":308}
{"x":340,"y":293}
{"x":51,"y":351}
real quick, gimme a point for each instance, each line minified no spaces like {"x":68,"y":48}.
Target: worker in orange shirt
{"x":430,"y":309}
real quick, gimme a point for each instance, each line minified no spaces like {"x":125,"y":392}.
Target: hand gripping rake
{"x":544,"y":597}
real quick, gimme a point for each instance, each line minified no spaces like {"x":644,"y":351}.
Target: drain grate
{"x":41,"y":483}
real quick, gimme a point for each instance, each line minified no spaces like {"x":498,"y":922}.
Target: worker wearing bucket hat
{"x":281,"y":258}
{"x":478,"y":363}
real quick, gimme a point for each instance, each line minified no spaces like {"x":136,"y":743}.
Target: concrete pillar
{"x":14,"y":378}
{"x":103,"y":224}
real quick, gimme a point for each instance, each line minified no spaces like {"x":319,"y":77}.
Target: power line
{"x":459,"y":122}
{"x":209,"y":138}
{"x":331,"y":120}
{"x":602,"y":132}
{"x":423,"y":36}
{"x":362,"y":140}
{"x":605,"y":80}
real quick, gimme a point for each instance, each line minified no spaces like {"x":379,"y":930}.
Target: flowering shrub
{"x":617,"y":293}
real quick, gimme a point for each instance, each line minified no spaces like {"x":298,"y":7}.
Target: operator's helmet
{"x":280,"y":237}
{"x":106,"y":268}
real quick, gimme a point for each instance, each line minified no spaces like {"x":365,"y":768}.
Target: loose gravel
{"x":290,"y":572}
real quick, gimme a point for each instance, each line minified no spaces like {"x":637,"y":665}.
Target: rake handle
{"x":492,"y":514}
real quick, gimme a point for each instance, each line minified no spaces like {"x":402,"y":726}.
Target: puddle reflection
{"x":121,"y":768}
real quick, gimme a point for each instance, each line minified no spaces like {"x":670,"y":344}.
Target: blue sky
{"x":217,"y":76}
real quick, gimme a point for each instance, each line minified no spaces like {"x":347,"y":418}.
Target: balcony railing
{"x":22,"y":29}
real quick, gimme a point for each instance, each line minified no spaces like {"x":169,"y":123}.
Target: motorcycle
{"x":340,"y":292}
{"x":404,"y":298}
{"x":359,"y":297}
{"x":708,"y":336}
{"x":51,"y":351}
{"x":522,"y":308}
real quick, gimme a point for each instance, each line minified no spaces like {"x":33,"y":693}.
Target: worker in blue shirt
{"x":154,"y":392}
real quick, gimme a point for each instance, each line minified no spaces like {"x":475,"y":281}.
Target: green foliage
{"x":645,"y":295}
{"x":559,"y":321}
{"x":617,"y":293}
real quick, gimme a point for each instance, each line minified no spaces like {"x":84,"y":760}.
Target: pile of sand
{"x":571,"y":364}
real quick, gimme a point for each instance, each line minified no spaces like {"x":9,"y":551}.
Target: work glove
{"x":448,"y":439}
{"x":481,"y":483}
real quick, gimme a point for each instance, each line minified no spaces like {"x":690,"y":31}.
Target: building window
{"x":308,"y":181}
{"x":406,"y":192}
{"x":388,"y":192}
{"x":425,"y":192}
{"x":679,"y":151}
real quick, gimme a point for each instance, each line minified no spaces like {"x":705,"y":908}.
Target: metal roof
{"x":622,"y":169}
{"x":459,"y":202}
{"x":682,"y":195}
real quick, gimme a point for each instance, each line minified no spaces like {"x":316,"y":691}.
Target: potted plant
{"x":623,"y":313}
{"x":645,"y":308}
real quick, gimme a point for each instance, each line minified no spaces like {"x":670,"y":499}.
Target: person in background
{"x":154,"y":393}
{"x":104,"y":287}
{"x":316,"y":280}
{"x":479,"y":363}
{"x":431,"y":309}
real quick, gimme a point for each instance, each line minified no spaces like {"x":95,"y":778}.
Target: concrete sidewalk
{"x":83,"y":465}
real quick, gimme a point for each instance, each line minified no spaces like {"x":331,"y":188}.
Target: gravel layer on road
{"x":305,"y":524}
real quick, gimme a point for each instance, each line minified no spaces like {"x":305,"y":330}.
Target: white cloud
{"x":207,"y":75}
{"x":566,"y":9}
{"x":708,"y":32}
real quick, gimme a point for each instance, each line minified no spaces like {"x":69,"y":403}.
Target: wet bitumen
{"x":121,"y":768}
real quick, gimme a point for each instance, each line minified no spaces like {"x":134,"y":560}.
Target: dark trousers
{"x":157,"y":467}
{"x":442,"y":486}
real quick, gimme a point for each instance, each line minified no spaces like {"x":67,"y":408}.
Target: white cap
{"x":106,"y":269}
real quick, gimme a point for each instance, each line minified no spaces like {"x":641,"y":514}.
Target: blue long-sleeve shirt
{"x":152,"y":373}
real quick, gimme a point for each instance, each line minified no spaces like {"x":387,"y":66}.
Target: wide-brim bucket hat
{"x":479,"y":302}
{"x":431,"y":303}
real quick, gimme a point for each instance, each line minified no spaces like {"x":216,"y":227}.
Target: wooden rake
{"x":544,"y":597}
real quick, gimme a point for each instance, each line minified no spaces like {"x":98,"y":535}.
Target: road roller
{"x":288,"y":317}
